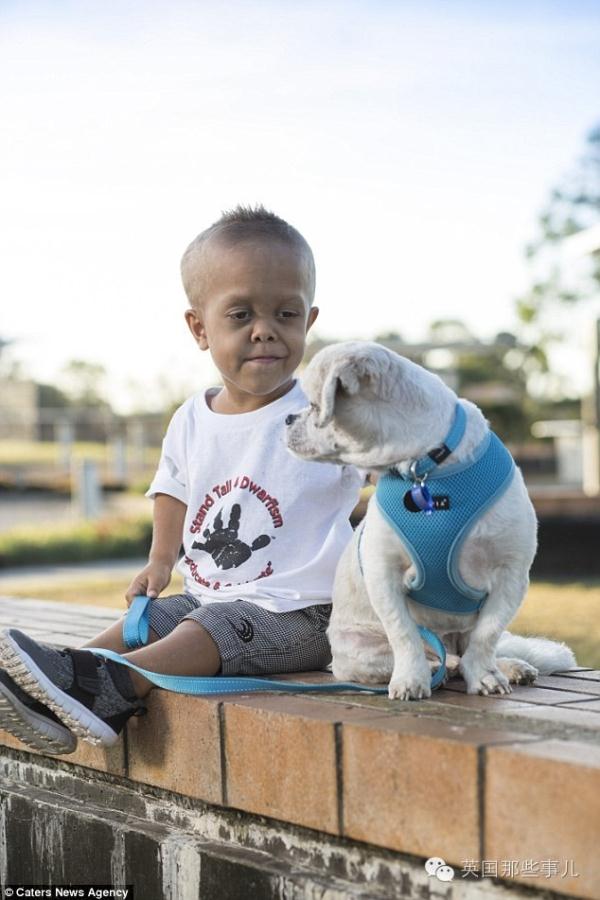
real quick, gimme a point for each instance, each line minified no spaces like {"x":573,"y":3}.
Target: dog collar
{"x":420,"y":468}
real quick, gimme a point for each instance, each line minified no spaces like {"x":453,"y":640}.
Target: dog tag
{"x":422,"y":498}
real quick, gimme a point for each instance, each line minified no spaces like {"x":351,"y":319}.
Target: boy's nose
{"x":263,"y":331}
{"x":291,"y":418}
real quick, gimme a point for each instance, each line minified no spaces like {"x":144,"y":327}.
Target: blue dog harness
{"x":434,"y":510}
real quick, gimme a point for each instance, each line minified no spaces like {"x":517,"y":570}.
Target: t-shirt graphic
{"x":228,"y":531}
{"x":224,"y":545}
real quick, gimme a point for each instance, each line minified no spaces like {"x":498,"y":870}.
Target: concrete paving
{"x":62,"y":624}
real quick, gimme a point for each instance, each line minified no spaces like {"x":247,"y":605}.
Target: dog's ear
{"x":345,"y":376}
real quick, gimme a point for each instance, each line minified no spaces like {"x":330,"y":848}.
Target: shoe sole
{"x":77,"y":717}
{"x":32,"y":728}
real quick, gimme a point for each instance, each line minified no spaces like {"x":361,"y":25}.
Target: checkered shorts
{"x":252,"y":640}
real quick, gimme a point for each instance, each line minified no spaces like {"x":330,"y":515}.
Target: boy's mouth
{"x":264,"y":359}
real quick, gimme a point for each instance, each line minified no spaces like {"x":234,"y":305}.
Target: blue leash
{"x":136,"y":631}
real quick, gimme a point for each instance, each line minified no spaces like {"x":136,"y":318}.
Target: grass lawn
{"x":97,"y":590}
{"x":35,"y":453}
{"x":13,"y":452}
{"x":565,"y":611}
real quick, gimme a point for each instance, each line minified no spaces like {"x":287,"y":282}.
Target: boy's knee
{"x":152,"y":638}
{"x":207,"y":647}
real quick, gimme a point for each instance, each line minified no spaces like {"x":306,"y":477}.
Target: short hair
{"x":240,"y":224}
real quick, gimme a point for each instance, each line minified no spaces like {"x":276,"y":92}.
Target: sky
{"x":412,"y":143}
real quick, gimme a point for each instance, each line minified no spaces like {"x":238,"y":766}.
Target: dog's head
{"x":369,"y":407}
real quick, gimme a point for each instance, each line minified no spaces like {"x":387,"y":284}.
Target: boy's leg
{"x":112,"y":638}
{"x":49,"y":675}
{"x":36,"y":724}
{"x":187,"y":650}
{"x":93,"y":696}
{"x":165,"y":613}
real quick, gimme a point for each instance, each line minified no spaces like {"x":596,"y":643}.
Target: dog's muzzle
{"x":289,"y":420}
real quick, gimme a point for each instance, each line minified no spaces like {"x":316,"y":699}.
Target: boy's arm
{"x":167,"y":533}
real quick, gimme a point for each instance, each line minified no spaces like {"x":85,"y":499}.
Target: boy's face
{"x":253,"y":315}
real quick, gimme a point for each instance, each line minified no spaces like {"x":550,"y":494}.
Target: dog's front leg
{"x":478,"y":664}
{"x":384,"y":564}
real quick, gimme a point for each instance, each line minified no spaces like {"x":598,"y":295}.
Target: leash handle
{"x":136,"y":625}
{"x":136,"y":631}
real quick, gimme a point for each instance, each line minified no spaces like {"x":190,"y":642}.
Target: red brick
{"x":542,"y":802}
{"x":280,"y":753}
{"x":176,"y":745}
{"x":412,"y":784}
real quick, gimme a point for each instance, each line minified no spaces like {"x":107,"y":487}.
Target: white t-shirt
{"x":261,"y":524}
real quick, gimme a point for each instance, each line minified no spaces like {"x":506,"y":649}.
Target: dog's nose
{"x":291,"y":418}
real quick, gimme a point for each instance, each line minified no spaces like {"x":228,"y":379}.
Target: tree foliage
{"x":573,"y":206}
{"x":83,"y":383}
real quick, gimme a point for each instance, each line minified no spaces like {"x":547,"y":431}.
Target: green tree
{"x":50,"y":396}
{"x":573,"y":206}
{"x":450,"y":331}
{"x":83,"y":383}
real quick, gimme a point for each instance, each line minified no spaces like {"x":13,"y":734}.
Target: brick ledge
{"x":475,"y":778}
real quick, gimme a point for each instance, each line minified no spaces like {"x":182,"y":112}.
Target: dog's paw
{"x":402,"y":690}
{"x":483,"y":676}
{"x":411,"y":685}
{"x":517,"y":670}
{"x":490,"y":682}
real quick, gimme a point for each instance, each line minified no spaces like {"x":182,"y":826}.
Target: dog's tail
{"x":547,"y":656}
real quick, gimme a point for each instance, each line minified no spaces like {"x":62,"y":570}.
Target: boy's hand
{"x":151,"y":581}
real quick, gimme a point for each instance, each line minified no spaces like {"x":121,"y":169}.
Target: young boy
{"x":262,"y":531}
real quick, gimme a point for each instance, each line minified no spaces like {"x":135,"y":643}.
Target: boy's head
{"x":250,"y":281}
{"x":236,"y":227}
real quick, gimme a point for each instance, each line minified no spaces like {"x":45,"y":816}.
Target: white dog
{"x":376,"y":410}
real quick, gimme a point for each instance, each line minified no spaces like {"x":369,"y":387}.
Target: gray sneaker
{"x":92,"y":696}
{"x":32,"y":722}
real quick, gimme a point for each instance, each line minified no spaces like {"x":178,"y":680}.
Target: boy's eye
{"x":241,"y":315}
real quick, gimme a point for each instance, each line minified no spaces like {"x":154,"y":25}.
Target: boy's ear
{"x":312,"y":315}
{"x":195,"y":323}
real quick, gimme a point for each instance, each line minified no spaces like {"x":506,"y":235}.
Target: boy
{"x":262,"y":531}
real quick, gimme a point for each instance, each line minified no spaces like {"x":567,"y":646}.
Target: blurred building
{"x":24,"y":416}
{"x":18,"y":409}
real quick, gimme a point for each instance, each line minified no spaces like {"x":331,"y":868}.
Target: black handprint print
{"x":223,"y":545}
